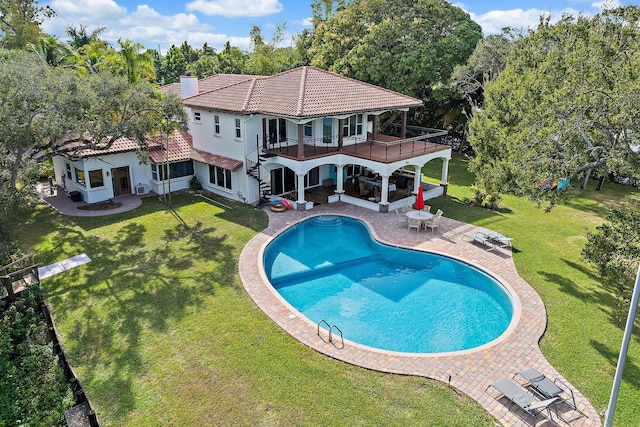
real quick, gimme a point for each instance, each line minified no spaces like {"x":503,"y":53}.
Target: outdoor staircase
{"x":257,"y":171}
{"x":17,"y":275}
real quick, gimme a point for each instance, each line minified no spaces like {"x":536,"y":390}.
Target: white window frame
{"x":196,"y":116}
{"x":216,"y":125}
{"x":238,"y":129}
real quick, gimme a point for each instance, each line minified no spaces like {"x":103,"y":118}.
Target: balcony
{"x":384,"y":148}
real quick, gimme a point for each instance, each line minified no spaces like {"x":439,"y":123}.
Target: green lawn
{"x":161,"y":331}
{"x":584,"y":331}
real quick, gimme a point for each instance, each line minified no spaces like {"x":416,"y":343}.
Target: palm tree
{"x":80,"y":37}
{"x":136,"y":66}
{"x":53,"y":51}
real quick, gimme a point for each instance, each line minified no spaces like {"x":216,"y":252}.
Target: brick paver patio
{"x":470,"y":371}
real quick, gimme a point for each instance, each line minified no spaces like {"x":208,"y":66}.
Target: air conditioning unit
{"x":142,"y":189}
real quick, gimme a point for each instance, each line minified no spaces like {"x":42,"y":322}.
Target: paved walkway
{"x":62,"y":203}
{"x":62,"y":266}
{"x":469,"y":371}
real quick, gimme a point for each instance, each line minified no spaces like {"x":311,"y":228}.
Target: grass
{"x":584,"y":330}
{"x":161,"y":332}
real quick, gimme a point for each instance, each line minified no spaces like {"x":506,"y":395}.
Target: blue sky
{"x":159,"y":24}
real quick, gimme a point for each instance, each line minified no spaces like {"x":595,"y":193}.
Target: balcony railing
{"x":385,"y":148}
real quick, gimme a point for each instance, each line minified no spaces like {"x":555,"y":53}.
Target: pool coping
{"x":469,"y":371}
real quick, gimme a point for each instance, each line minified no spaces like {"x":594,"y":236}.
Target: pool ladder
{"x":331,"y":328}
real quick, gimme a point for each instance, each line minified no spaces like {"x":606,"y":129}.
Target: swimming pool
{"x":329,"y":268}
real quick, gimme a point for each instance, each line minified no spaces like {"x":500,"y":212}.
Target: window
{"x":68,"y":166}
{"x":216,"y":125}
{"x":80,"y":176}
{"x":327,"y":130}
{"x":220,"y":176}
{"x":96,"y":179}
{"x":196,"y":117}
{"x":238,"y":132}
{"x":277,"y":130}
{"x":308,"y":130}
{"x":312,"y":178}
{"x":177,"y":170}
{"x":352,"y":126}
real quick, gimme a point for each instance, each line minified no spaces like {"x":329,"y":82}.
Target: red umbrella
{"x":419,"y":199}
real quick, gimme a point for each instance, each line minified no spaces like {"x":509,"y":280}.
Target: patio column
{"x":444,"y":180}
{"x":300,"y":141}
{"x":301,"y":203}
{"x":384,"y":197}
{"x":403,"y":131}
{"x":376,"y":123}
{"x":339,"y":181}
{"x":417,"y":179}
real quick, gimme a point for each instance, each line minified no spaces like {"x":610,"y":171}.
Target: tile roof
{"x":207,"y":84}
{"x":215,"y":160}
{"x":304,"y":92}
{"x":179,"y":148}
{"x":180,"y":145}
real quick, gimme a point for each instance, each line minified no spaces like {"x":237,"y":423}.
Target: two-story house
{"x":253,"y":137}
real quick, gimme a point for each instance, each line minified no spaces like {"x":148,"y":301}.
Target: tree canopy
{"x":614,"y":248}
{"x":20,"y":22}
{"x":44,"y":110}
{"x":566,"y":104}
{"x":407,"y":46}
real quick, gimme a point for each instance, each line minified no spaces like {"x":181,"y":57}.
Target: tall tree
{"x":614,"y":248}
{"x":408,"y":46}
{"x":269,"y":58}
{"x":20,"y":22}
{"x":80,"y":37}
{"x":232,"y":60}
{"x":567,"y":103}
{"x":136,"y":65}
{"x":53,"y":51}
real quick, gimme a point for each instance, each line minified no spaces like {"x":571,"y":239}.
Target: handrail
{"x":331,"y":328}
{"x":339,"y":330}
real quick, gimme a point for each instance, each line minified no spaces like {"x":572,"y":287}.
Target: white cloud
{"x":144,"y":25}
{"x":607,"y":4}
{"x":494,"y":21}
{"x":236,"y":8}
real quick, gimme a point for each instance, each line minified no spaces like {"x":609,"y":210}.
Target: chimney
{"x":188,"y":85}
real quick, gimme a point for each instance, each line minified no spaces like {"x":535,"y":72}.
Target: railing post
{"x":8,"y":285}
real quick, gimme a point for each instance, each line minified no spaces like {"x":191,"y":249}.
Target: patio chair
{"x":520,"y":397}
{"x":402,"y":217}
{"x":414,"y":223}
{"x":546,"y":388}
{"x":434,"y":222}
{"x":363,"y":190}
{"x":427,"y":208}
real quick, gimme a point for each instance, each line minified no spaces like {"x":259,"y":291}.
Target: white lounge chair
{"x":520,"y":397}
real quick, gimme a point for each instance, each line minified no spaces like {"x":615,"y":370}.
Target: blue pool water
{"x":329,"y":268}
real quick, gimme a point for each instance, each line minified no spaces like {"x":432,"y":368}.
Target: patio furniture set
{"x":545,"y":393}
{"x":419,"y":219}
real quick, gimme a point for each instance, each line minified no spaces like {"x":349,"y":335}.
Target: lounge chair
{"x":480,"y":238}
{"x":497,"y":238}
{"x":546,"y":388}
{"x":520,"y":397}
